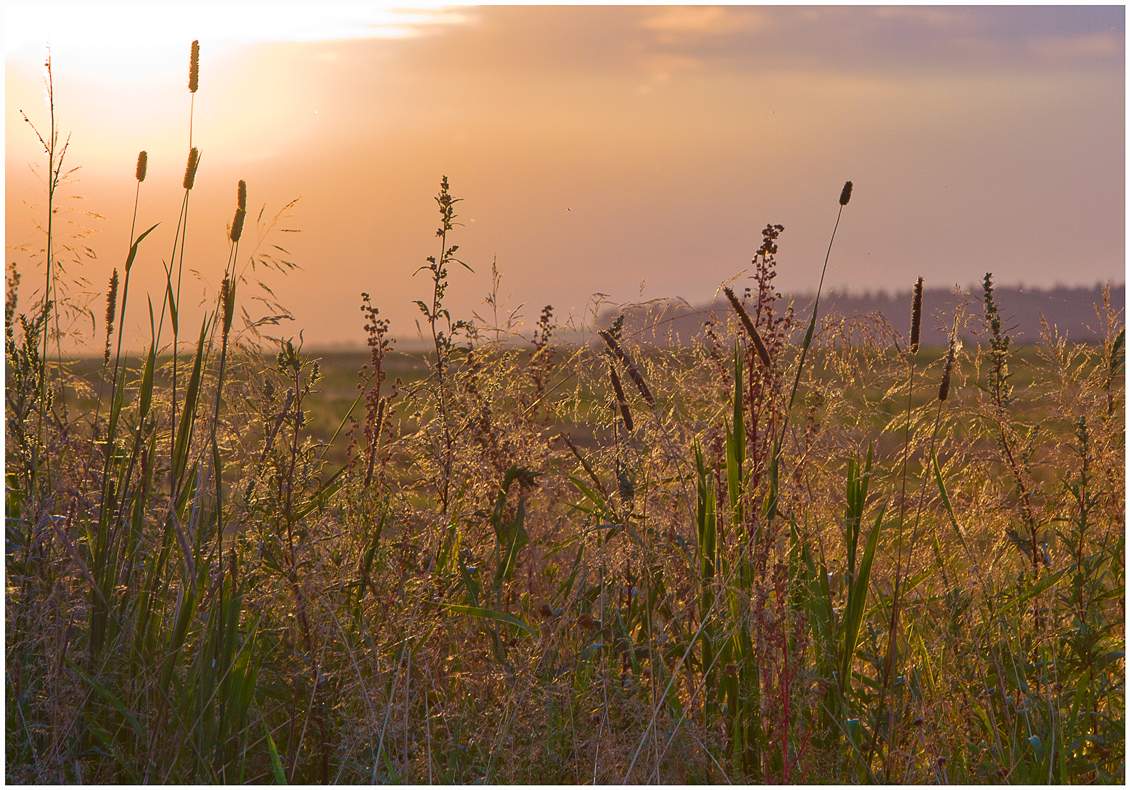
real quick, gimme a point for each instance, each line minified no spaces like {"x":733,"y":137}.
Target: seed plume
{"x":142,"y":166}
{"x":750,"y":329}
{"x":194,"y":67}
{"x":916,"y":317}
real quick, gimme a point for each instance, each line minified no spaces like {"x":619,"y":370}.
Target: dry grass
{"x":766,"y":556}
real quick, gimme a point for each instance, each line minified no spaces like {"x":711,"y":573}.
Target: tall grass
{"x":763,"y":556}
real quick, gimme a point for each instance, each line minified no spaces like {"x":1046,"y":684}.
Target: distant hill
{"x":1072,"y":310}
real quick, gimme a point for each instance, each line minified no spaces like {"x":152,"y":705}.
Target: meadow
{"x":798,"y":549}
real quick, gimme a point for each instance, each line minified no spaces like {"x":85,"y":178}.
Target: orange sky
{"x":634,"y":152}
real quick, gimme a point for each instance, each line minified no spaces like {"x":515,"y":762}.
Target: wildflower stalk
{"x":55,"y":158}
{"x":442,"y":340}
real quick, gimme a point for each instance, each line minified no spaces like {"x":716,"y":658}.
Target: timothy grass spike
{"x":111,"y":309}
{"x":194,"y":67}
{"x":947,"y":371}
{"x":916,"y":317}
{"x":190,"y":168}
{"x":750,"y":329}
{"x":629,"y":366}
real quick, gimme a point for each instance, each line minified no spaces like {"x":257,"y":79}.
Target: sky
{"x":601,"y":154}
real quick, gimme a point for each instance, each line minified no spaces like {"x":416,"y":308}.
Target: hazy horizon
{"x":635,"y":152}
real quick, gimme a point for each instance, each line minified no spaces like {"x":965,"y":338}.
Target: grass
{"x":765,"y":556}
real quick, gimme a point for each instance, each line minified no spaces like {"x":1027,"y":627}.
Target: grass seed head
{"x":142,"y":166}
{"x":621,"y":400}
{"x":750,"y":329}
{"x":947,"y":371}
{"x":194,"y":67}
{"x":916,"y":317}
{"x":845,"y":194}
{"x":190,"y":168}
{"x":227,"y":299}
{"x":111,"y":309}
{"x":241,"y":195}
{"x":629,"y":366}
{"x":237,"y":224}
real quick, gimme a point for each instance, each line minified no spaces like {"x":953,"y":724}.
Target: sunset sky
{"x":635,"y":152}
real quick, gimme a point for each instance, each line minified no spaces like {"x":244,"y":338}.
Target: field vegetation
{"x":798,"y":549}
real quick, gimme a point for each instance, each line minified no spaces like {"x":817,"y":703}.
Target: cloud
{"x":677,"y":22}
{"x":661,"y":67}
{"x":945,"y":18}
{"x":1080,"y":46}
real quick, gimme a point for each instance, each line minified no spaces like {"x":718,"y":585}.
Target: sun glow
{"x":120,"y":39}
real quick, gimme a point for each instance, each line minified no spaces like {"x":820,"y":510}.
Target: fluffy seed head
{"x":194,"y":67}
{"x":241,"y":195}
{"x":845,"y":195}
{"x":142,"y":165}
{"x":190,"y":168}
{"x":916,"y":317}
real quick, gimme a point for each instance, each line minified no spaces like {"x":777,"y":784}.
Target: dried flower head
{"x":241,"y":195}
{"x":190,"y":168}
{"x":916,"y":317}
{"x":845,"y":194}
{"x":142,"y":165}
{"x":194,"y":67}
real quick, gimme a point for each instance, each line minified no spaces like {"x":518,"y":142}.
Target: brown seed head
{"x":241,"y":195}
{"x":237,"y":224}
{"x":227,"y":299}
{"x":916,"y":317}
{"x":190,"y":168}
{"x":194,"y":67}
{"x":626,"y":361}
{"x":845,"y":195}
{"x":947,"y":371}
{"x":750,"y":329}
{"x":621,"y":401}
{"x":111,"y":309}
{"x":142,"y":166}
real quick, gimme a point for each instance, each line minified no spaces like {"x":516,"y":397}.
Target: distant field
{"x":337,"y":391}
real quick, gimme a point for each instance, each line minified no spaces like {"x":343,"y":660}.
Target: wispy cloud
{"x":697,"y":21}
{"x":1080,"y":46}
